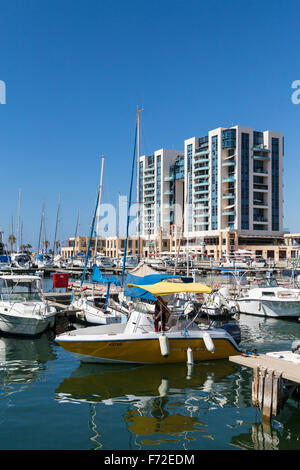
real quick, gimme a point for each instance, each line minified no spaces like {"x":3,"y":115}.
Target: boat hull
{"x":146,"y":351}
{"x":25,"y":326}
{"x":270,"y":308}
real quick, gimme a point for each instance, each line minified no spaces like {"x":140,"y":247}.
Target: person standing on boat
{"x":161,"y":314}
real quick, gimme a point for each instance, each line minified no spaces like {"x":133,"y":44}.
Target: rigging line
{"x":129,"y":204}
{"x":90,"y":239}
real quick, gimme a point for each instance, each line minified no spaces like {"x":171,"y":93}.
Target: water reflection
{"x":161,"y":404}
{"x":21,"y":362}
{"x":268,"y":334}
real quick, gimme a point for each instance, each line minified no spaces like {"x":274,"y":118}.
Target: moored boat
{"x":137,"y":341}
{"x":22,"y":308}
{"x":268,"y":299}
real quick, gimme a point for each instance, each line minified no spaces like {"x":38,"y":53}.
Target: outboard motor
{"x":296,"y":347}
{"x":234,"y":330}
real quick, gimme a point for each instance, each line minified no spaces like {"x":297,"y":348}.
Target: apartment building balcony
{"x":168,"y":206}
{"x":262,"y":204}
{"x":148,"y":180}
{"x":168,"y":193}
{"x":169,"y":178}
{"x":201,"y":224}
{"x":149,"y":198}
{"x":260,"y":157}
{"x":228,"y":157}
{"x":149,"y":170}
{"x":229,"y":206}
{"x":201,"y":158}
{"x":228,"y":179}
{"x":201,"y":216}
{"x":202,"y":163}
{"x":229,"y":163}
{"x":198,"y":177}
{"x":201,"y":199}
{"x":203,"y":183}
{"x":260,"y":220}
{"x":260,"y":187}
{"x":228,"y":195}
{"x":203,"y":191}
{"x":259,"y":171}
{"x":201,"y":151}
{"x":260,"y":148}
{"x":228,"y":212}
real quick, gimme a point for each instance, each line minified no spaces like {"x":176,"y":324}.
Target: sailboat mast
{"x":99,"y":205}
{"x":57,"y":224}
{"x":19,"y":222}
{"x":138,"y":182}
{"x":41,"y":226}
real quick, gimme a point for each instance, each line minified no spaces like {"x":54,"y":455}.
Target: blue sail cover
{"x":5,"y":259}
{"x":150,"y":279}
{"x":98,"y":277}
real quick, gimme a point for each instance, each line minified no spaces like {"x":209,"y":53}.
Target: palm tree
{"x":12,"y":240}
{"x":28,"y":247}
{"x":46,"y":243}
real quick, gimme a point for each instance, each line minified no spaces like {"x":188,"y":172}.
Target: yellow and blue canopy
{"x":167,"y":288}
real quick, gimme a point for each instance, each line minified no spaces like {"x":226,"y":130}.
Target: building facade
{"x":233,"y":178}
{"x":226,"y":186}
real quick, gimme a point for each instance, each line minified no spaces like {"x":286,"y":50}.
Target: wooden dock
{"x":269,"y":375}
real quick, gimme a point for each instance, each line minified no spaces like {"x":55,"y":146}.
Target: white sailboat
{"x":93,"y":308}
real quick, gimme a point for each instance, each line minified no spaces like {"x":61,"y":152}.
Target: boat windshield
{"x":20,"y":291}
{"x":268,"y":282}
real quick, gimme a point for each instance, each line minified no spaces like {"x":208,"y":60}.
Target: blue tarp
{"x":150,"y":279}
{"x":40,"y":256}
{"x":4,"y":258}
{"x":98,"y":277}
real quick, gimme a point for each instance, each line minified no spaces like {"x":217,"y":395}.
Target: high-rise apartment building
{"x":160,"y":191}
{"x":233,"y":178}
{"x":229,"y":180}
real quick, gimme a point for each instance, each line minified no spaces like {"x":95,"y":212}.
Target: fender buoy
{"x":164,"y":387}
{"x":84,"y":288}
{"x":164,"y":345}
{"x":209,"y":344}
{"x":190,"y":358}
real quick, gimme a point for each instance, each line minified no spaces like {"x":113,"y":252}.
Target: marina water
{"x":51,"y":401}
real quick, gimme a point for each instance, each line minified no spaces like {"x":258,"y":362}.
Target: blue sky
{"x":75,"y":72}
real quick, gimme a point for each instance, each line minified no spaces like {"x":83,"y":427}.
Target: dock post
{"x":255,"y":385}
{"x":277,"y":393}
{"x":261,"y":386}
{"x":268,"y":395}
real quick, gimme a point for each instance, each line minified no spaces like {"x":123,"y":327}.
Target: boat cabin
{"x":20,"y":288}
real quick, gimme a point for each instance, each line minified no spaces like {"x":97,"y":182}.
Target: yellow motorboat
{"x":137,"y":342}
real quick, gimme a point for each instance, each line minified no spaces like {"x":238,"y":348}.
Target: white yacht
{"x":22,"y":310}
{"x":130,"y":262}
{"x":104,"y":263}
{"x":268,"y":299}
